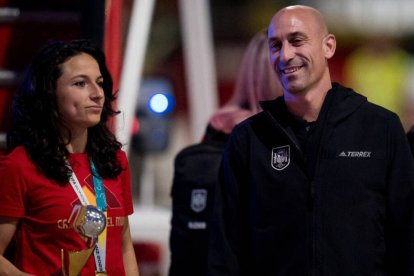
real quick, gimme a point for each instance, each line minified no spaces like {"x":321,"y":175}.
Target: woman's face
{"x":79,"y":93}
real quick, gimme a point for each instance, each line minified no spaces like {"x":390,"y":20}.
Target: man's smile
{"x":290,"y":70}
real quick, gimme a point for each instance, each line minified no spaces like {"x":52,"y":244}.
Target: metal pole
{"x":199,"y":61}
{"x":131,"y":75}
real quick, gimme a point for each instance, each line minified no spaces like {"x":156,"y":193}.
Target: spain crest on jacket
{"x":280,"y":157}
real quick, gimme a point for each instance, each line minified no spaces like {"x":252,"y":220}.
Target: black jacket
{"x":339,"y":203}
{"x":196,"y":170}
{"x":410,"y":137}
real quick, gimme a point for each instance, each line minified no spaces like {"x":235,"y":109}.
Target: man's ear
{"x":329,"y":45}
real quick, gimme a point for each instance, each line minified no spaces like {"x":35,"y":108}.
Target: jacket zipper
{"x":312,"y":194}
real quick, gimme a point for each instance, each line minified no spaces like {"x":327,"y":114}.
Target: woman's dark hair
{"x":35,"y":118}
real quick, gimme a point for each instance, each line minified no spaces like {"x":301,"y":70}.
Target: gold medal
{"x":74,"y":261}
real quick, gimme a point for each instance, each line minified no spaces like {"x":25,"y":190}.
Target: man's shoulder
{"x":271,"y":108}
{"x":378,"y":110}
{"x":355,"y":100}
{"x":258,"y":118}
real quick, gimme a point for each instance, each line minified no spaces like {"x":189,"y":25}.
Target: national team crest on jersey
{"x":280,"y":157}
{"x":198,"y":200}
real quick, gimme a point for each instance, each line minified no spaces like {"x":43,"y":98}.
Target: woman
{"x":255,"y":82}
{"x":59,"y":135}
{"x":196,"y":167}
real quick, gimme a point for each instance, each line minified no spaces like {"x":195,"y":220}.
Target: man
{"x":319,"y":183}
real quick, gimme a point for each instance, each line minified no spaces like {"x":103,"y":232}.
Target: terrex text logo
{"x":356,"y":154}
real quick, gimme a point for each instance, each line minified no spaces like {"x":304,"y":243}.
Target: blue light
{"x":160,"y":103}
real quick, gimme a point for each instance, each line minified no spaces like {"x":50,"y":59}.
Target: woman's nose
{"x":97,"y":92}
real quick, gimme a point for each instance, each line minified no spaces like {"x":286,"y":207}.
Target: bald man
{"x":319,"y":183}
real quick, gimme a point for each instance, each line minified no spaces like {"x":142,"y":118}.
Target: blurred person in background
{"x":381,"y":70}
{"x":321,"y":182}
{"x":65,"y":177}
{"x":196,"y":167}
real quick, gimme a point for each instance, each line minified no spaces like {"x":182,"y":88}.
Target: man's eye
{"x":274,"y":47}
{"x":296,"y":42}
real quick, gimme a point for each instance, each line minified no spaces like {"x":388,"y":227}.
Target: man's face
{"x":298,"y":53}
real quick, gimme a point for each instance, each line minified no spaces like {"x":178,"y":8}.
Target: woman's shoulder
{"x":121,"y":156}
{"x":18,"y":152}
{"x":17,"y":158}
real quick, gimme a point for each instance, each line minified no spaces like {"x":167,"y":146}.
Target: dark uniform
{"x":196,"y":170}
{"x":410,"y":137}
{"x":334,"y":197}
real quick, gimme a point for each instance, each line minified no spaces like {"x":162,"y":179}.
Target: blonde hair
{"x":256,"y":80}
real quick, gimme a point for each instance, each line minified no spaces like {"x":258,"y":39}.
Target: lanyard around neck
{"x":99,"y":189}
{"x":100,"y":249}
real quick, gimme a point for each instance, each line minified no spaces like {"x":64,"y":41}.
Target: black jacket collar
{"x":345,"y":100}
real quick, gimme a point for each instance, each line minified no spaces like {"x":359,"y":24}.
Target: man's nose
{"x":286,"y":53}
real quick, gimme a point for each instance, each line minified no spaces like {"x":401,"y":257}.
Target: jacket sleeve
{"x":228,"y":236}
{"x":399,"y":232}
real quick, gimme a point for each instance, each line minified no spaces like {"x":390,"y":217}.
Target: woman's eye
{"x":80,"y":83}
{"x":100,"y":83}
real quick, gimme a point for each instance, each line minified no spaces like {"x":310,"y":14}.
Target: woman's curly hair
{"x":35,"y":118}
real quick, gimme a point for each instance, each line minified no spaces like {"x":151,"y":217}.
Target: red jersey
{"x":44,"y":207}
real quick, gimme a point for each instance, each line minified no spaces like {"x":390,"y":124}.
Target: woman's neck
{"x":78,"y":142}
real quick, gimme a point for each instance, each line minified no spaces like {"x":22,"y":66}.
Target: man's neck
{"x":306,"y":105}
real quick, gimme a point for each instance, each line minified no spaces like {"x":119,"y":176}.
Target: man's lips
{"x":290,"y":70}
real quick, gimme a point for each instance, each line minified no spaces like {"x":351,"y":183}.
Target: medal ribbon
{"x":100,"y":249}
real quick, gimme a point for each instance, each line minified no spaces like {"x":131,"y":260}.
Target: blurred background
{"x":174,"y":62}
